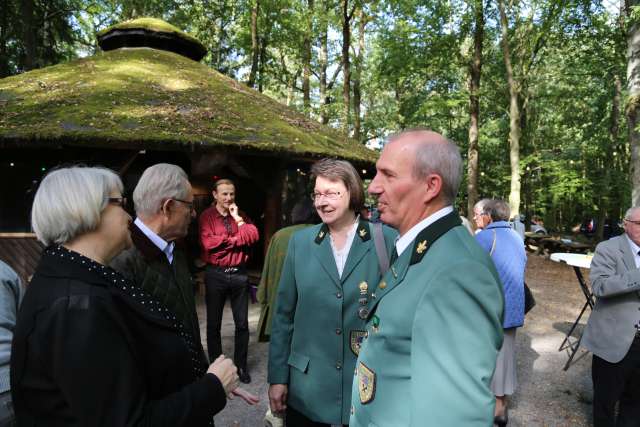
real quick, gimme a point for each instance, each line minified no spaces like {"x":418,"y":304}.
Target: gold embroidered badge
{"x":422,"y":246}
{"x":366,"y":383}
{"x":356,"y":338}
{"x":363,"y":232}
{"x":321,"y":234}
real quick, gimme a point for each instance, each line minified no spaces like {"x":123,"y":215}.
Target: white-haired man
{"x":163,"y":202}
{"x":613,"y":330}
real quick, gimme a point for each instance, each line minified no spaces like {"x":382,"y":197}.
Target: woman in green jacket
{"x":328,"y":277}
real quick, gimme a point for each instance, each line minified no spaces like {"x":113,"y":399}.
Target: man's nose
{"x":374,"y":186}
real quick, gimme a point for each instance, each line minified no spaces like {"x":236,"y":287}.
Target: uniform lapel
{"x":627,"y":256}
{"x":413,"y":254}
{"x":324,"y":254}
{"x":360,"y":246}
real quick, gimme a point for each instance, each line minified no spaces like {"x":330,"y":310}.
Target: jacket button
{"x":338,"y":294}
{"x":338,"y":331}
{"x":338,"y":365}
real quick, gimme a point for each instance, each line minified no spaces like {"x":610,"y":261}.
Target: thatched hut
{"x":145,"y":99}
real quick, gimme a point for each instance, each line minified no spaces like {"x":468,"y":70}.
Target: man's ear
{"x":166,"y":207}
{"x":433,"y":186}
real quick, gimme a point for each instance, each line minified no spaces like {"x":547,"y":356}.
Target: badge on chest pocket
{"x":366,"y":383}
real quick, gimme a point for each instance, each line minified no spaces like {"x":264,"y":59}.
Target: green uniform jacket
{"x":270,"y":276}
{"x":316,"y":331}
{"x":433,"y":336}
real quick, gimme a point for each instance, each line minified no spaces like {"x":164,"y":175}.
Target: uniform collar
{"x":362,"y":231}
{"x":408,"y":237}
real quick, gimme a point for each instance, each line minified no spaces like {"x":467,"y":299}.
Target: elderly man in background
{"x":163,"y":202}
{"x":435,"y":325}
{"x":613,"y":330}
{"x":226,"y":235}
{"x":10,"y":295}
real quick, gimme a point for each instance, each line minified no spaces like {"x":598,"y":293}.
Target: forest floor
{"x":546,"y":395}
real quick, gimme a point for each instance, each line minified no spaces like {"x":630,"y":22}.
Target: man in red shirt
{"x":225,"y":236}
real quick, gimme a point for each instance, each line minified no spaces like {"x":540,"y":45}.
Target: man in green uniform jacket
{"x":435,"y":325}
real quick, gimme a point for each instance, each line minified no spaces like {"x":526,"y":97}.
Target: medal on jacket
{"x":363,"y":312}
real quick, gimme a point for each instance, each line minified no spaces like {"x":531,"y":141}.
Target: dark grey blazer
{"x":615,"y":282}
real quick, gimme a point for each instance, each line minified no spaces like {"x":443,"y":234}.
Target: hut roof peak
{"x":151,"y":32}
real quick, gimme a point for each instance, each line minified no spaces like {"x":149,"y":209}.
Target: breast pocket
{"x":298,"y":361}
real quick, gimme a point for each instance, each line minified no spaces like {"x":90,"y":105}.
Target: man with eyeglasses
{"x":156,"y":262}
{"x":226,"y":235}
{"x":613,"y":330}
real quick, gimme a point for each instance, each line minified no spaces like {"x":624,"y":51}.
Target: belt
{"x":228,"y":270}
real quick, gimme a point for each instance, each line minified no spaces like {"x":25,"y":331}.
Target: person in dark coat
{"x":89,"y":348}
{"x":157,"y":261}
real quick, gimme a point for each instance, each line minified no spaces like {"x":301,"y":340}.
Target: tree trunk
{"x":357,"y":77}
{"x":263,"y":59}
{"x":346,"y":66}
{"x":323,"y":60}
{"x":28,"y":34}
{"x":633,"y":86}
{"x":4,"y":56}
{"x":475,"y":69}
{"x":514,"y":116}
{"x":255,"y":49}
{"x":306,"y":59}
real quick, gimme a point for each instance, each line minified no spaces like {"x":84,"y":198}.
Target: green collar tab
{"x":324,"y":230}
{"x":429,"y":235}
{"x":362,"y":231}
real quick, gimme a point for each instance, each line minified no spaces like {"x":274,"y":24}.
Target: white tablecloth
{"x":574,"y":260}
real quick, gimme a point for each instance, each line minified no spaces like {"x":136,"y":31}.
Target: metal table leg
{"x":589,"y":303}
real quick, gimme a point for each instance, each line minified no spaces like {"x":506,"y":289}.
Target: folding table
{"x":577,"y":261}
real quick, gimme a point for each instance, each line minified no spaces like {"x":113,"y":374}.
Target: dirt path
{"x":547,"y":395}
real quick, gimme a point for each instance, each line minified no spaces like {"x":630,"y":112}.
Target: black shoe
{"x":501,"y":420}
{"x":244,"y":376}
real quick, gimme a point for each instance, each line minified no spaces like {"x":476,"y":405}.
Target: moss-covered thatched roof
{"x":151,"y":32}
{"x":153,"y":99}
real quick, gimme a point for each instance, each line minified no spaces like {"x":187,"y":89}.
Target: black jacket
{"x":91,"y":350}
{"x":147,"y":267}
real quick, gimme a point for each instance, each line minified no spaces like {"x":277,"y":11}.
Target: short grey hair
{"x":157,"y":184}
{"x":441,"y":158}
{"x":483,"y":206}
{"x":499,"y":210}
{"x":70,"y":201}
{"x":629,"y":211}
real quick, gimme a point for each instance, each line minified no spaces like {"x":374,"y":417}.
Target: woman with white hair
{"x":89,"y":349}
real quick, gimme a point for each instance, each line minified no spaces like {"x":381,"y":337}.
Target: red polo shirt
{"x":225,"y":245}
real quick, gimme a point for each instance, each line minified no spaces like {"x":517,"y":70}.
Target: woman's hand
{"x":226,"y":372}
{"x":250,"y":399}
{"x":278,"y":397}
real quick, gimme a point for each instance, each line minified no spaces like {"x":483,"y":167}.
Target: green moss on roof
{"x":151,"y":98}
{"x":149,"y":24}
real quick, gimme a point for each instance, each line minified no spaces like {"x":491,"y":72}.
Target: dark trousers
{"x":296,"y":419}
{"x":613,"y":382}
{"x":219,"y":286}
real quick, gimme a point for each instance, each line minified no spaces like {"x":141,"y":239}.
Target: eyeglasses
{"x":632,"y":221}
{"x":189,"y":204}
{"x":329,"y":195}
{"x":119,"y":201}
